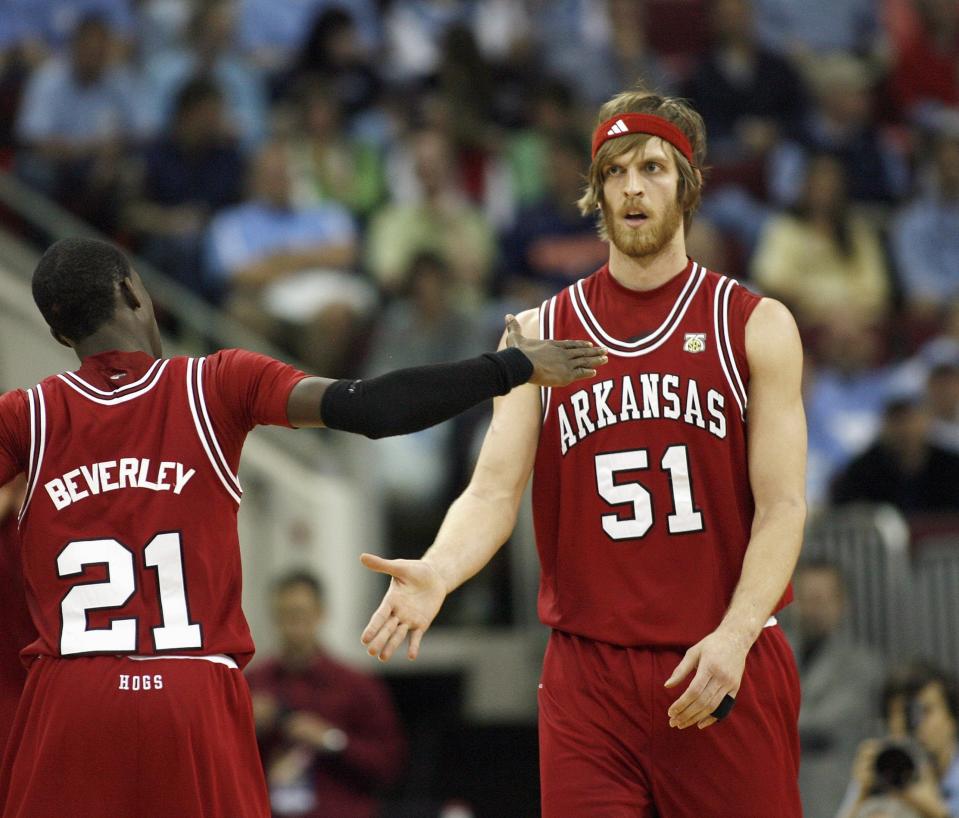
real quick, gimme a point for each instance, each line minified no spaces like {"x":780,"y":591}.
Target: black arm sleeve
{"x":409,"y":400}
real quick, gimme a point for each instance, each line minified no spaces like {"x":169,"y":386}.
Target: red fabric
{"x":642,"y":123}
{"x":14,"y":434}
{"x":18,"y":628}
{"x":923,"y":73}
{"x":606,"y":748}
{"x":85,"y":748}
{"x":360,"y":706}
{"x":192,"y":527}
{"x":641,"y":497}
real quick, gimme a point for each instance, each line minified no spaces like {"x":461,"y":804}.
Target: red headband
{"x":626,"y":124}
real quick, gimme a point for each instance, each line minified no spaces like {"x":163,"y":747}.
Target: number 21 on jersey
{"x":685,"y":517}
{"x":164,"y":553}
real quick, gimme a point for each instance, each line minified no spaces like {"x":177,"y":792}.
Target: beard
{"x":648,"y":240}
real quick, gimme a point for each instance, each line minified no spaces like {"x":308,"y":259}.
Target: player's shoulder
{"x":739,"y":299}
{"x":14,"y":402}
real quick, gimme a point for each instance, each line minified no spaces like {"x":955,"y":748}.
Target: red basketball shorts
{"x":114,"y":737}
{"x":607,"y":750}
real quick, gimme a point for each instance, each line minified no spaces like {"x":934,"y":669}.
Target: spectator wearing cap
{"x":925,"y":233}
{"x":903,"y":467}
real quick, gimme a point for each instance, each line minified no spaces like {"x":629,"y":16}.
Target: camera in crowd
{"x":896,"y":766}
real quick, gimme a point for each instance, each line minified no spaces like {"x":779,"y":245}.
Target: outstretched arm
{"x":408,"y":400}
{"x":777,"y":469}
{"x":475,"y":527}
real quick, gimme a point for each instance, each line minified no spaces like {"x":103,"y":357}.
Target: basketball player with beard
{"x":668,"y":505}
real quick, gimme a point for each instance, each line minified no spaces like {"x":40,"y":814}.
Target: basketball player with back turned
{"x":668,"y":503}
{"x":134,"y":706}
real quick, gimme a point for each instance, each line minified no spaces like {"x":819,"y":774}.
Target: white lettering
{"x":161,"y":483}
{"x":143,"y":480}
{"x":716,"y":404}
{"x":124,"y":681}
{"x":651,"y":394}
{"x":629,"y":408}
{"x":92,"y":476}
{"x":158,"y":682}
{"x":69,"y":480}
{"x":136,"y":683}
{"x":670,"y":384}
{"x":58,"y":493}
{"x":580,"y":401}
{"x":694,"y":412}
{"x":182,"y":477}
{"x":128,"y":472}
{"x":133,"y":472}
{"x":601,"y":392}
{"x":105,"y":467}
{"x":567,"y":438}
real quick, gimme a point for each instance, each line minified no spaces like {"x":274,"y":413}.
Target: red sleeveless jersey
{"x":128,"y":531}
{"x":641,"y":497}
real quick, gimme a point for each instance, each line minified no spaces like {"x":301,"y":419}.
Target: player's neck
{"x":112,"y":339}
{"x":648,"y":272}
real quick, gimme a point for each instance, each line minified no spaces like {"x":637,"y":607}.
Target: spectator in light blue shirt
{"x":799,"y":28}
{"x":288,"y":271}
{"x":925,"y":235}
{"x":54,"y":21}
{"x":76,"y":116}
{"x":844,"y":395}
{"x":212,"y":52}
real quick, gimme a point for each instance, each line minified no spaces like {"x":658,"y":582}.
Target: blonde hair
{"x":677,"y":111}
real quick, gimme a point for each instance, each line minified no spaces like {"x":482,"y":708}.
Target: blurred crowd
{"x":375,"y":183}
{"x":372,"y":183}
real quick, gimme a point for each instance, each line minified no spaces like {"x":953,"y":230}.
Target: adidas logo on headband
{"x":619,"y":127}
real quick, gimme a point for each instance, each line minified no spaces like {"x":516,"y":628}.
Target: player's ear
{"x":128,"y":293}
{"x":60,"y":339}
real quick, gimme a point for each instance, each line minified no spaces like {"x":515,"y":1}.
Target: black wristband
{"x":724,"y":709}
{"x":517,"y":369}
{"x":409,"y":400}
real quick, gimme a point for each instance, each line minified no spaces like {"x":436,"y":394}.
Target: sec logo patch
{"x":695,"y":342}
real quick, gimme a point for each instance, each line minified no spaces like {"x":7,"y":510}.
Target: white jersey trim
{"x":729,"y":346}
{"x":119,"y":390}
{"x":216,"y":658}
{"x":547,"y":322}
{"x":723,"y":346}
{"x":234,"y":478}
{"x":38,"y":444}
{"x":652,"y":341}
{"x":204,"y":428}
{"x":81,"y":388}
